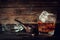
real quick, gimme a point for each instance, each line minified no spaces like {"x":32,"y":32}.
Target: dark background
{"x":49,"y":5}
